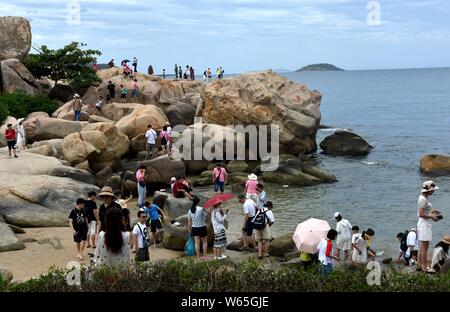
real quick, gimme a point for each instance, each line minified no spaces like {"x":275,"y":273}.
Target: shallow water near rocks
{"x":404,"y":114}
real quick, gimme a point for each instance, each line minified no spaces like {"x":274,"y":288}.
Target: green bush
{"x":215,"y":276}
{"x":19,"y":104}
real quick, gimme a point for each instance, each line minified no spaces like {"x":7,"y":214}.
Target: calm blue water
{"x":404,"y":114}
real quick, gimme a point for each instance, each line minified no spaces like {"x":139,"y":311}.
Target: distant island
{"x":320,"y":67}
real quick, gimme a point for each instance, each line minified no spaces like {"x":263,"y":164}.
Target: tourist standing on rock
{"x":111,"y":63}
{"x":10,"y":135}
{"x":218,"y":73}
{"x":79,"y":224}
{"x":123,"y":93}
{"x":150,"y":70}
{"x":108,"y":202}
{"x":247,"y":228}
{"x":175,"y":70}
{"x":219,"y":178}
{"x":180,"y":72}
{"x":90,"y":207}
{"x":250,"y":187}
{"x":344,"y":238}
{"x":359,"y":254}
{"x":209,"y":73}
{"x":127,"y":71}
{"x":99,"y":104}
{"x":21,"y":139}
{"x":112,"y":91}
{"x":221,"y":72}
{"x":165,"y":140}
{"x":141,"y":186}
{"x":262,"y":222}
{"x":261,"y":195}
{"x":134,"y":90}
{"x":140,"y":234}
{"x":197,"y":227}
{"x":218,"y":218}
{"x":204,"y":76}
{"x":154,"y":214}
{"x":151,"y":136}
{"x":424,"y":227}
{"x":186,"y":72}
{"x":191,"y":73}
{"x":164,"y":73}
{"x":113,"y":248}
{"x":125,"y":211}
{"x":135,"y":63}
{"x":325,"y":248}
{"x":76,"y":106}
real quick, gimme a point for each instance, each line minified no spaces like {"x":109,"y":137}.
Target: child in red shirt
{"x":10,"y":135}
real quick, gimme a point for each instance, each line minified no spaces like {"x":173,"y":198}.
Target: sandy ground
{"x":37,"y":258}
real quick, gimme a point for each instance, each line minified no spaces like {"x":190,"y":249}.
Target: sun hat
{"x":106,"y":191}
{"x":446,"y":239}
{"x":429,"y":186}
{"x":337,"y":214}
{"x":253,"y":177}
{"x":76,"y":95}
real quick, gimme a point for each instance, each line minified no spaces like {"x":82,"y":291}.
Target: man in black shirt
{"x":112,"y":91}
{"x":108,"y":202}
{"x":78,"y":224}
{"x":90,"y":207}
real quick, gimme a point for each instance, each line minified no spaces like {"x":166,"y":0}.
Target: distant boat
{"x":320,"y":67}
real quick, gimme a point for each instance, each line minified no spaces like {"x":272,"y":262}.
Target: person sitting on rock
{"x":180,"y":189}
{"x":440,"y":255}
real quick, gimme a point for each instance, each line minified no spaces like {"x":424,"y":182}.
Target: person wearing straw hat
{"x":424,"y":226}
{"x":250,"y":187}
{"x":108,"y":202}
{"x":440,"y":255}
{"x":76,"y":105}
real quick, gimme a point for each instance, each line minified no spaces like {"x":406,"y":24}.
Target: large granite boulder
{"x":45,"y":150}
{"x":282,"y":245}
{"x":162,"y":169}
{"x":117,"y":111}
{"x":74,"y":174}
{"x":237,"y":166}
{"x":345,"y":143}
{"x":176,"y":207}
{"x":55,"y":144}
{"x":39,"y":129}
{"x":62,"y":92}
{"x":435,"y":164}
{"x":16,"y":77}
{"x":136,"y":123}
{"x":29,"y":164}
{"x":175,"y":237}
{"x":295,"y":172}
{"x":139,"y":143}
{"x":266,"y":98}
{"x":8,"y":240}
{"x":15,"y":37}
{"x":177,"y":89}
{"x":66,"y":112}
{"x":100,"y":143}
{"x":179,"y":111}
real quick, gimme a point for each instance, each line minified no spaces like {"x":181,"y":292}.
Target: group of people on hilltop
{"x":188,"y":73}
{"x":208,"y":74}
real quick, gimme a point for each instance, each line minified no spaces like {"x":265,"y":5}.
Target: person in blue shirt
{"x":153,"y":212}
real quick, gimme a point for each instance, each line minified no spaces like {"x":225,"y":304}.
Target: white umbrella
{"x":308,"y":234}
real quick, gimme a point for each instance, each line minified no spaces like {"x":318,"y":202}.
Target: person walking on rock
{"x":164,"y":73}
{"x":76,"y":106}
{"x":165,"y":140}
{"x":219,"y":177}
{"x":135,"y":63}
{"x":123,"y":93}
{"x":112,"y":91}
{"x":175,"y":70}
{"x":209,"y":73}
{"x":197,"y":227}
{"x":424,"y":226}
{"x":262,"y":235}
{"x":191,"y":73}
{"x":140,"y":234}
{"x":134,"y":90}
{"x":250,"y":187}
{"x":247,"y":228}
{"x":21,"y":139}
{"x":154,"y":221}
{"x":344,"y":238}
{"x":79,"y":224}
{"x":180,"y":72}
{"x":90,"y":207}
{"x":141,"y":186}
{"x":10,"y":135}
{"x":151,"y":136}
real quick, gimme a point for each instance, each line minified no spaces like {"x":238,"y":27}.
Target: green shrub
{"x":19,"y":104}
{"x":215,"y":276}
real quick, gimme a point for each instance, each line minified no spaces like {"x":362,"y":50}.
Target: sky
{"x":247,"y":35}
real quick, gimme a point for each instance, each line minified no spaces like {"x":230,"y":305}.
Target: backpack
{"x":403,"y":243}
{"x":260,"y":221}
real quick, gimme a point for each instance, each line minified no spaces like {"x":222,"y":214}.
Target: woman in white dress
{"x":113,"y":244}
{"x":426,"y":215}
{"x":359,"y":255}
{"x":21,"y":141}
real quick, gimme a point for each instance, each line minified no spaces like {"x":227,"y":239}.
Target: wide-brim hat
{"x":337,"y":214}
{"x":106,"y":191}
{"x":446,"y":239}
{"x":253,"y":177}
{"x":429,"y":186}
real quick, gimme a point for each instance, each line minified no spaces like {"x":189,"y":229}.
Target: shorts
{"x":199,"y":231}
{"x":123,"y":96}
{"x":155,"y":224}
{"x":220,"y":239}
{"x":220,"y":185}
{"x":344,"y":244}
{"x":261,"y":235}
{"x":142,"y":255}
{"x":134,"y":93}
{"x":424,"y":230}
{"x":81,"y":236}
{"x":92,"y":228}
{"x":249,"y":227}
{"x":11,"y":144}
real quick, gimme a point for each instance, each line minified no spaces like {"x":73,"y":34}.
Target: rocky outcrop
{"x":16,"y":77}
{"x":39,"y":129}
{"x":8,"y":240}
{"x":55,"y":144}
{"x":263,"y":99}
{"x":296,"y":172}
{"x":439,"y":164}
{"x":237,"y":166}
{"x":66,"y":112}
{"x":117,"y":111}
{"x":175,"y":237}
{"x":176,"y":207}
{"x":100,"y":143}
{"x":29,"y":164}
{"x":103,"y":176}
{"x":162,"y":169}
{"x":15,"y":37}
{"x":282,"y":245}
{"x":45,"y":150}
{"x":136,"y":123}
{"x":62,"y":92}
{"x":345,"y":143}
{"x":180,"y":111}
{"x":74,"y":174}
{"x":176,"y":89}
{"x":139,"y":143}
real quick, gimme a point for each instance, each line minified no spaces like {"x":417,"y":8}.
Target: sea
{"x":404,"y":114}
